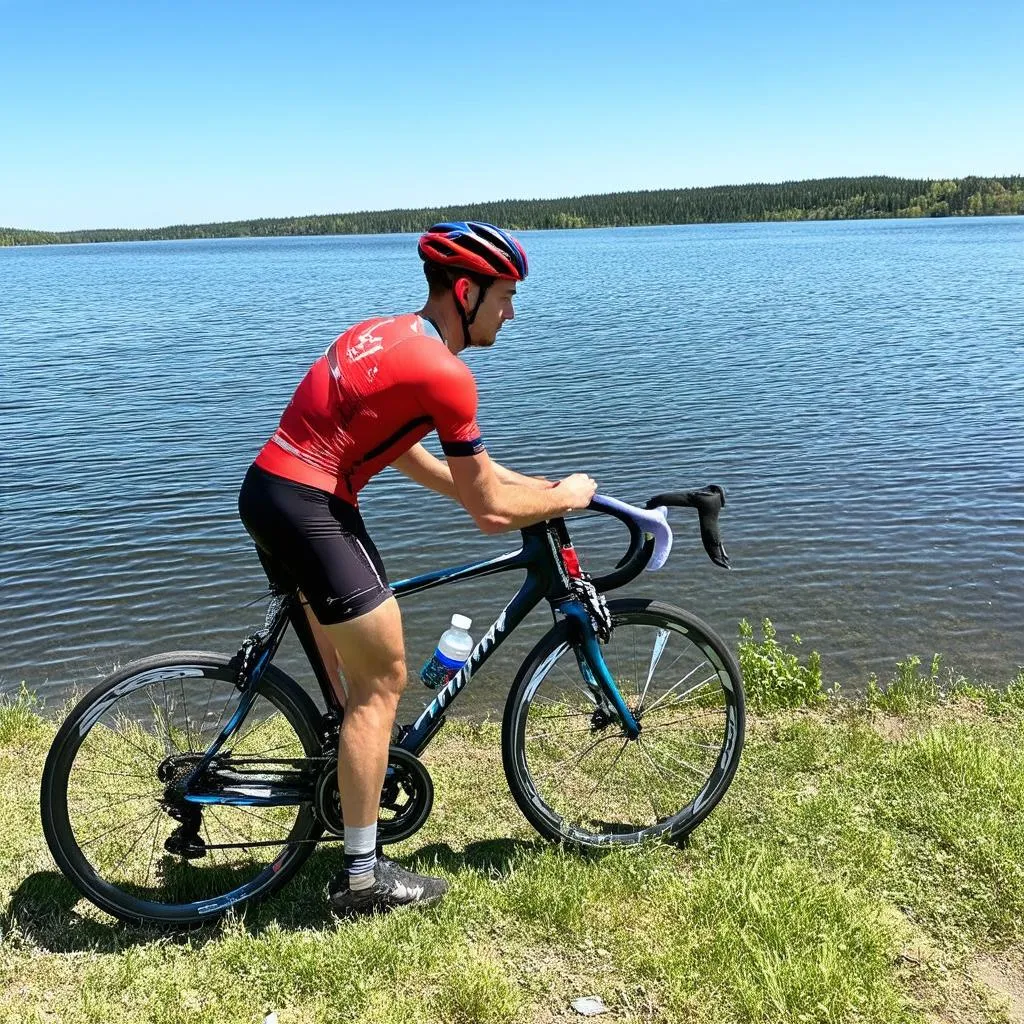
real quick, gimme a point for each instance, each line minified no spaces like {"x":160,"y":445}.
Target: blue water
{"x":857,"y":388}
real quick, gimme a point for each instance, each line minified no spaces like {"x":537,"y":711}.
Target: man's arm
{"x":495,"y":503}
{"x":429,"y":471}
{"x":497,"y":506}
{"x":510,"y":476}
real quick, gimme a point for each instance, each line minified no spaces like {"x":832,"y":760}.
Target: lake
{"x":856,"y":387}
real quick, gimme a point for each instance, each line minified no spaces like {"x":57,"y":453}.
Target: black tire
{"x":289,"y":719}
{"x":713,"y":713}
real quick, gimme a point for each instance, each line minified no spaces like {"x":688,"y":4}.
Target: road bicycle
{"x":189,"y":783}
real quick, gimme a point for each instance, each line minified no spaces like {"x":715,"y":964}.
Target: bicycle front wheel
{"x":575,"y":774}
{"x":106,"y":816}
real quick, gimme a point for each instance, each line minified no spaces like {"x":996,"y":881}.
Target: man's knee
{"x":372,"y":655}
{"x":382,"y":683}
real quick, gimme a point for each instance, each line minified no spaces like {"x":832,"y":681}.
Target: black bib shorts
{"x":312,"y":540}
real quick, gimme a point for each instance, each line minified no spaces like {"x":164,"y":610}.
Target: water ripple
{"x":857,"y":387}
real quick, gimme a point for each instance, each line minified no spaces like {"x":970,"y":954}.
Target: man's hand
{"x":577,"y":490}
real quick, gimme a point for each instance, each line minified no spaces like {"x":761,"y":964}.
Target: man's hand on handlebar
{"x":578,"y":489}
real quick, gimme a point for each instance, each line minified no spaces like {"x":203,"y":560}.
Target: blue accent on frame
{"x":596,"y":662}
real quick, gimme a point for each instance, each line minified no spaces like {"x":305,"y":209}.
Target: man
{"x":365,"y":404}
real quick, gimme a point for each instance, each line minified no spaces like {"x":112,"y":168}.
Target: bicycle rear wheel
{"x":104,"y":809}
{"x":575,"y":774}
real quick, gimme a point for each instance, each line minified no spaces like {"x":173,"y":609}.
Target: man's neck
{"x":447,"y":322}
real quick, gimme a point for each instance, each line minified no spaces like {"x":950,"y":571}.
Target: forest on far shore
{"x":819,"y":199}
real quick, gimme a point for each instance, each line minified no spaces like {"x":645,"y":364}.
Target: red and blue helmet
{"x":475,"y":247}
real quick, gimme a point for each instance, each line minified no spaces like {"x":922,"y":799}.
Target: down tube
{"x":527,"y":598}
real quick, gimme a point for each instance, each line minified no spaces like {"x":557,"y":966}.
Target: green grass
{"x":773,"y":676}
{"x":860,"y":865}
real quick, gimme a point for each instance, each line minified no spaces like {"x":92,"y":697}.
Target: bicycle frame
{"x":546,"y":577}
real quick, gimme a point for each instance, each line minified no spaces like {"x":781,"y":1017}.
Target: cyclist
{"x":365,"y":404}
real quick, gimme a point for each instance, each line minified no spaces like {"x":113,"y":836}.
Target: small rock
{"x":271,"y":1018}
{"x":589,"y":1006}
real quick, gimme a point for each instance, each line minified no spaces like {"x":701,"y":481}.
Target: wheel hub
{"x":175,"y":767}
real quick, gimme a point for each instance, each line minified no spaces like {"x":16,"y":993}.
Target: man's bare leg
{"x":328,"y":652}
{"x":372,"y":651}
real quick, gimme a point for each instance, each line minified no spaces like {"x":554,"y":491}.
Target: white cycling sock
{"x":360,"y":855}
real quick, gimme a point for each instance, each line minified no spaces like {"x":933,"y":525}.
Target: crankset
{"x":405,"y":800}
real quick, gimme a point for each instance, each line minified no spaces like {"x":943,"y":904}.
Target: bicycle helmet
{"x":476,"y":250}
{"x":476,"y":247}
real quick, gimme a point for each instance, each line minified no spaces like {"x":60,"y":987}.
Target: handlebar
{"x":650,"y":536}
{"x":654,"y":523}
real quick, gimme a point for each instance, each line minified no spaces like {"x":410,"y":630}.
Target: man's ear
{"x":461,"y":290}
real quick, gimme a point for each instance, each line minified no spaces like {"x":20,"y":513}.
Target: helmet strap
{"x":482,"y":286}
{"x":467,"y":319}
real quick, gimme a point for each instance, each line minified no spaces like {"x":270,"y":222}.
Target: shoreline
{"x":828,"y":199}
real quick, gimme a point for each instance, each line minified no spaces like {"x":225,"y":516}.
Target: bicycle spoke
{"x":577,"y":683}
{"x":122,"y":775}
{"x":156,"y":710}
{"x":597,"y":742}
{"x":229,"y":828}
{"x":144,"y":753}
{"x":262,"y":754}
{"x":589,"y":713}
{"x":211,"y":848}
{"x":690,"y":700}
{"x":152,"y":851}
{"x":682,"y":764}
{"x":657,"y":768}
{"x":561,"y":704}
{"x":636,"y":672}
{"x":692,"y":689}
{"x":153,"y":823}
{"x":94,"y":752}
{"x":119,"y":793}
{"x":563,"y":732}
{"x":607,"y":788}
{"x":659,"y":649}
{"x":679,"y":721}
{"x":120,"y":803}
{"x":259,"y":817}
{"x":611,"y":771}
{"x":113,"y":828}
{"x":167,"y":709}
{"x":184,"y":709}
{"x":232,"y":694}
{"x":253,"y":730}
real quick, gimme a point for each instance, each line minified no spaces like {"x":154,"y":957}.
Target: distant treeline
{"x":822,"y":199}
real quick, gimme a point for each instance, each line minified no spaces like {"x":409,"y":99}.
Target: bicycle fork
{"x":596,"y":675}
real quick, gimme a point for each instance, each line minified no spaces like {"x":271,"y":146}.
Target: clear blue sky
{"x":160,"y":112}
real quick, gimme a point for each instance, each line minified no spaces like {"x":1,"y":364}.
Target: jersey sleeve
{"x":451,"y":402}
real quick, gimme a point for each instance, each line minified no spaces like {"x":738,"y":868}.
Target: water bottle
{"x":453,"y":651}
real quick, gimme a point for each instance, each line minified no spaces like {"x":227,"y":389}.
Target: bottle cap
{"x":462,"y":621}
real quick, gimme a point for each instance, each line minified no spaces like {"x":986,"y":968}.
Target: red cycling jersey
{"x":379,"y":388}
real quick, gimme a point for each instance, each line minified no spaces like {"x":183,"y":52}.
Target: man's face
{"x":493,"y":312}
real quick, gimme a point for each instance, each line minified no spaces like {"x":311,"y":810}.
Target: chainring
{"x":405,"y":800}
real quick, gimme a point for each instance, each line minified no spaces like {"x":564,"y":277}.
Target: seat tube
{"x":594,"y":661}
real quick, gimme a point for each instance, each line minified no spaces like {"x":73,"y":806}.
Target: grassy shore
{"x":866,"y":865}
